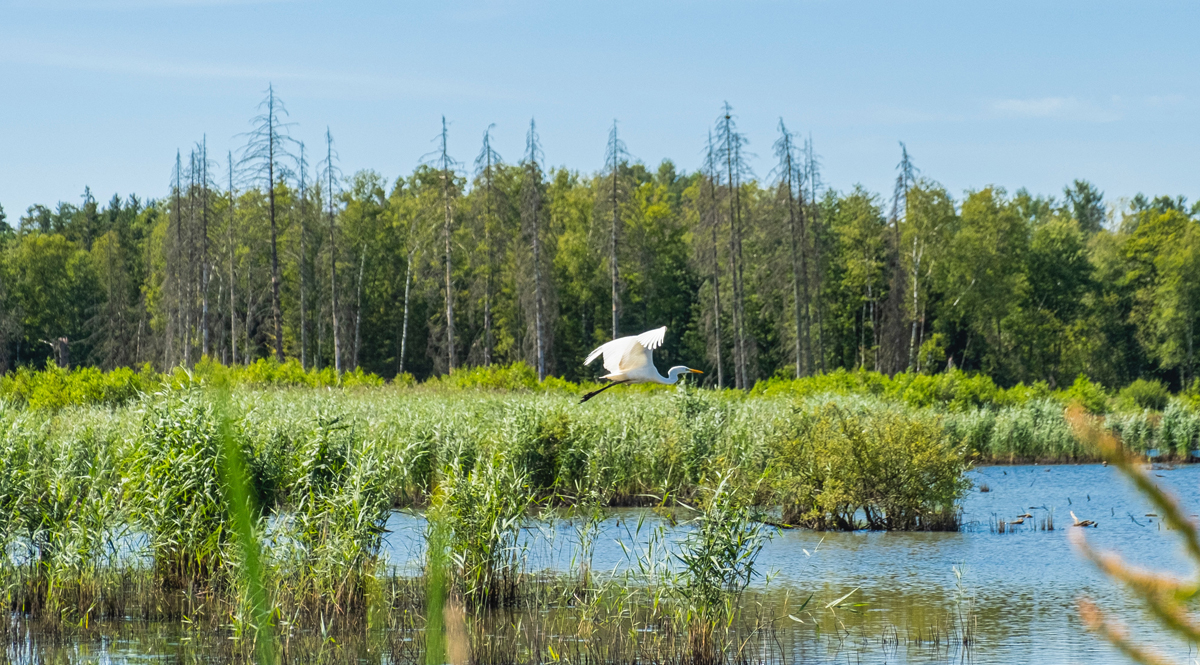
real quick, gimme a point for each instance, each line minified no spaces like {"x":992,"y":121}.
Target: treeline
{"x":273,"y":252}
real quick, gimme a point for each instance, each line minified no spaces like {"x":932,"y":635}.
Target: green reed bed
{"x":131,"y":513}
{"x":127,"y":511}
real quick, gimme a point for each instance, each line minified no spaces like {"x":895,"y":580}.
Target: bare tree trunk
{"x":717,"y":301}
{"x":173,"y":268}
{"x":715,"y":213}
{"x":735,"y":253}
{"x":916,"y":305}
{"x":232,"y":275}
{"x":337,"y":344}
{"x":485,"y":165}
{"x":362,"y":264}
{"x":530,"y":212}
{"x":276,"y":310}
{"x":614,"y":153}
{"x":446,"y":175}
{"x":204,"y":277}
{"x":303,"y":265}
{"x":188,"y":265}
{"x":813,"y":225}
{"x":404,"y":332}
{"x":785,"y":150}
{"x":537,"y":291}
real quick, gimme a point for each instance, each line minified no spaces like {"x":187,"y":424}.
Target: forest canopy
{"x":274,"y":252}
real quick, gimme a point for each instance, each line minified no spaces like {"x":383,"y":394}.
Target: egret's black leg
{"x":597,"y":392}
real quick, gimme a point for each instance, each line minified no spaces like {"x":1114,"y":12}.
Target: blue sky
{"x":1033,"y":94}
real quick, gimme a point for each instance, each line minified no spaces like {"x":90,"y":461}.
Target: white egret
{"x":629,"y":360}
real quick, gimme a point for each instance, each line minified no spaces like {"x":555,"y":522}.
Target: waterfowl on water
{"x":1079,"y":523}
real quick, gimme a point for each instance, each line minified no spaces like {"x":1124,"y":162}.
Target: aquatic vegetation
{"x":175,"y":493}
{"x":478,"y":514}
{"x":881,"y":468}
{"x":126,"y":511}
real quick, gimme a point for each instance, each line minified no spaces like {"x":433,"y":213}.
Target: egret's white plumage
{"x":631,"y":360}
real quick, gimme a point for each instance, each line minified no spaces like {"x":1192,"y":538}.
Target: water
{"x":1017,"y":591}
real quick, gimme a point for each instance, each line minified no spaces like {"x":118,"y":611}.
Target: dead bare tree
{"x":172,"y":282}
{"x":731,"y":143}
{"x":615,"y":155}
{"x":531,"y":204}
{"x":264,"y":155}
{"x":711,"y":179}
{"x":232,"y":273}
{"x":812,"y":175}
{"x":362,"y":265}
{"x":790,"y":184}
{"x":412,"y":247}
{"x":485,"y":173}
{"x":330,"y":175}
{"x":303,"y":167}
{"x":204,"y":193}
{"x":892,"y":356}
{"x":446,"y":165}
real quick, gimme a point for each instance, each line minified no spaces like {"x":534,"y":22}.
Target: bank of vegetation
{"x":128,"y":512}
{"x":115,"y":494}
{"x":1023,"y":423}
{"x":271,"y":252}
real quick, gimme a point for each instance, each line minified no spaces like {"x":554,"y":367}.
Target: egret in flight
{"x":629,"y":360}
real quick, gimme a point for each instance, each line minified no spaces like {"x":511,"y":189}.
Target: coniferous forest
{"x":472,"y":260}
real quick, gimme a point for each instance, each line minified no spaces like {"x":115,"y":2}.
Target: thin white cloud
{"x":346,"y":82}
{"x":1063,"y":108}
{"x":125,"y":5}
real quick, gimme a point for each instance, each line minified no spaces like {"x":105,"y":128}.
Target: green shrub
{"x":900,"y":471}
{"x":1143,"y":394}
{"x":54,"y":388}
{"x":1090,"y":396}
{"x":1190,"y":396}
{"x":517,"y":376}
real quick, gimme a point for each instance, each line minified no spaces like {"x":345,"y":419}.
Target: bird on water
{"x":630,"y":360}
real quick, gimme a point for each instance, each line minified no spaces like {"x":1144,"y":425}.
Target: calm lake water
{"x":1020,"y":587}
{"x":1016,"y":590}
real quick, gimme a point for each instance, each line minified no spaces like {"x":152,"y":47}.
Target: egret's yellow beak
{"x":695,"y":370}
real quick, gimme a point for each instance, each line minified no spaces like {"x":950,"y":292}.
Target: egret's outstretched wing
{"x":601,"y":349}
{"x":652,"y":339}
{"x":627,"y":353}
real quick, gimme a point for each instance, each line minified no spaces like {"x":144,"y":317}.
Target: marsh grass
{"x":132,"y":513}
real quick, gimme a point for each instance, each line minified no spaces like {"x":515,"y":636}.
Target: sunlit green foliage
{"x":1025,"y":289}
{"x":897,"y":470}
